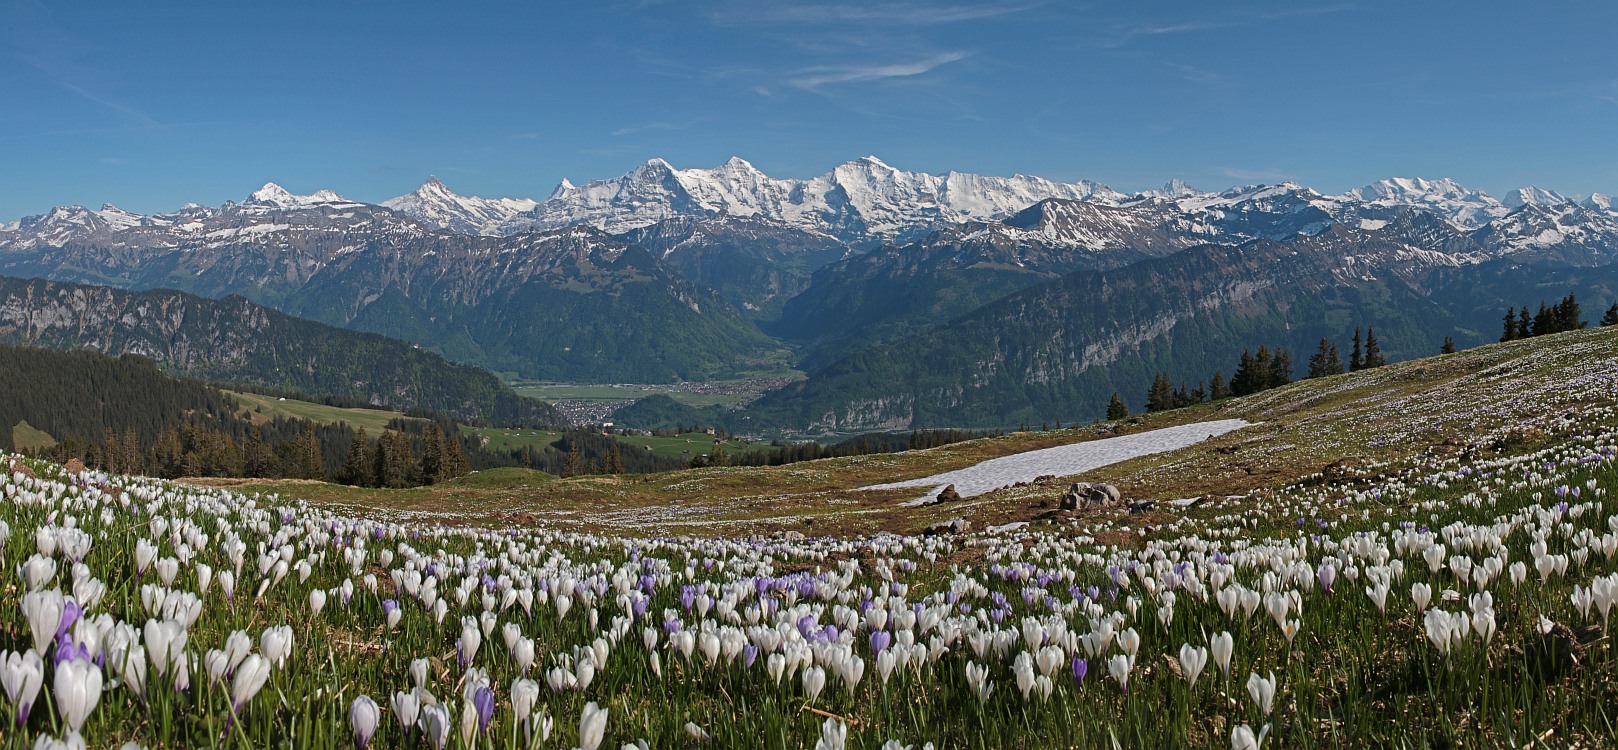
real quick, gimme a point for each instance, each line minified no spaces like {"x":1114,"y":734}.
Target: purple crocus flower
{"x":880,"y":640}
{"x":70,"y":614}
{"x":483,"y":703}
{"x":1327,"y":574}
{"x":68,"y":651}
{"x":1080,"y":669}
{"x":749,"y":655}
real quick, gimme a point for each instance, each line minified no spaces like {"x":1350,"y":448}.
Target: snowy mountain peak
{"x":436,"y":204}
{"x":1177,"y":188}
{"x":1598,"y":201}
{"x":275,"y":195}
{"x":1534,"y":195}
{"x":1457,"y":204}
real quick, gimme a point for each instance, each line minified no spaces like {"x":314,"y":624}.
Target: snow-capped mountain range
{"x":862,"y":203}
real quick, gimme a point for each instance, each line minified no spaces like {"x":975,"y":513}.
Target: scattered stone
{"x":1342,"y":469}
{"x":952,"y":526}
{"x":1085,"y":495}
{"x":1141,"y":506}
{"x":946,"y":495}
{"x":1045,"y":480}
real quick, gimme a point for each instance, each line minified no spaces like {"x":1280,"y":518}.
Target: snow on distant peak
{"x":1534,"y":195}
{"x":1461,"y":206}
{"x":119,"y":219}
{"x":1600,"y":202}
{"x":275,"y":195}
{"x":857,"y":200}
{"x":435,"y":204}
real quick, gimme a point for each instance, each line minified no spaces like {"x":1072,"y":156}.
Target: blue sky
{"x":151,"y":105}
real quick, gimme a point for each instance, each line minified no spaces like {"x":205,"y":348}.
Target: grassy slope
{"x":622,"y":394}
{"x":270,"y":407}
{"x":26,"y":437}
{"x":682,"y":446}
{"x":1378,"y":416}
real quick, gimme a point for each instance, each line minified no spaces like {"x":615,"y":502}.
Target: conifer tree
{"x":1373,"y":352}
{"x":432,"y":455}
{"x":131,"y":446}
{"x":1182,"y":396}
{"x":1448,"y":347}
{"x":356,"y":469}
{"x":614,"y":463}
{"x":454,"y":459}
{"x":573,"y":462}
{"x":1161,"y":395}
{"x":1510,"y":332}
{"x":257,"y":461}
{"x":1568,"y":315}
{"x":392,"y":460}
{"x":1611,"y":318}
{"x":1246,"y":380}
{"x":1325,"y":361}
{"x":1217,"y":387}
{"x":1116,"y":408}
{"x":1544,"y":321}
{"x":1525,"y":323}
{"x":1280,"y":369}
{"x":1356,"y":358}
{"x":314,"y":459}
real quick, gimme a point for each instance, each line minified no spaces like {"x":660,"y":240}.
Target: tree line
{"x":1562,"y":316}
{"x":1257,"y":371}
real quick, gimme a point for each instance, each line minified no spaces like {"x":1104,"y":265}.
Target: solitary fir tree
{"x":1373,"y":352}
{"x":1511,"y":333}
{"x":1611,"y":318}
{"x":1217,"y":387}
{"x":1356,"y":358}
{"x":1525,"y":323}
{"x":1448,"y":347}
{"x":1117,"y":409}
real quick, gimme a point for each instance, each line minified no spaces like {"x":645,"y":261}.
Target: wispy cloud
{"x":1123,"y":35}
{"x":908,"y":14}
{"x":31,"y":37}
{"x":643,"y":127}
{"x":828,"y":75}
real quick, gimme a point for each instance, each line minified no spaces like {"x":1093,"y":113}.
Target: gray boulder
{"x":1087,"y":495}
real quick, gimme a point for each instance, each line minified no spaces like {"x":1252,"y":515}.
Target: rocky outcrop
{"x":1087,"y":496}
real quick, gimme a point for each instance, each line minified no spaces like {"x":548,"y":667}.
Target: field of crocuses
{"x":1451,"y":601}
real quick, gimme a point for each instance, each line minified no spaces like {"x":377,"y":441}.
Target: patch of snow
{"x":1064,"y":460}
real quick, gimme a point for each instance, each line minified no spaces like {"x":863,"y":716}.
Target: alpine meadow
{"x":1010,"y":438}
